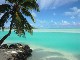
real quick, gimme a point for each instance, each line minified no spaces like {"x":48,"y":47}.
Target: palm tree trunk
{"x":2,"y":40}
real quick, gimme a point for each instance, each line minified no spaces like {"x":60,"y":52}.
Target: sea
{"x":59,"y":39}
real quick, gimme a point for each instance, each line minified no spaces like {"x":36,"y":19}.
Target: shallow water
{"x":64,"y":41}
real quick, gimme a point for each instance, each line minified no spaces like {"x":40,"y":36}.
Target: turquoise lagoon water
{"x":65,"y":41}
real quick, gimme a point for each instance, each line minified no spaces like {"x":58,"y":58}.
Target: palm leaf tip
{"x":31,"y":4}
{"x":27,"y":13}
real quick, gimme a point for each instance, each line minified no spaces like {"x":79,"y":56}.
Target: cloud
{"x":62,"y":22}
{"x":74,"y":13}
{"x":47,"y":4}
{"x":72,"y":17}
{"x":52,"y":21}
{"x":65,"y":23}
{"x":74,"y":23}
{"x":55,"y":24}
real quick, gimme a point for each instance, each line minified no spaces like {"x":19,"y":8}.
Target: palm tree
{"x":15,"y":10}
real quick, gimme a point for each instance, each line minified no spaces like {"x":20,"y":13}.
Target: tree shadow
{"x":78,"y":57}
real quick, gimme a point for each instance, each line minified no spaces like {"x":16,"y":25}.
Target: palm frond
{"x":12,"y":1}
{"x":25,"y":24}
{"x":15,"y":1}
{"x":27,"y":13}
{"x":31,"y":4}
{"x":16,"y":10}
{"x":21,"y":24}
{"x":4,"y":7}
{"x":4,"y":19}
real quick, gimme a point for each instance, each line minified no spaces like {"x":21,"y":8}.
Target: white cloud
{"x":46,"y":4}
{"x":74,"y":23}
{"x":72,"y":17}
{"x":41,"y":21}
{"x":62,"y":22}
{"x":74,"y":13}
{"x":55,"y":23}
{"x":79,"y":23}
{"x":65,"y":22}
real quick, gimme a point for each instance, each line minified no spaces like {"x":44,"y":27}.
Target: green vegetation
{"x":14,"y":10}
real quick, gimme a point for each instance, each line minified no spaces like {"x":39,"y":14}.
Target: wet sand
{"x":41,"y":54}
{"x":48,"y":54}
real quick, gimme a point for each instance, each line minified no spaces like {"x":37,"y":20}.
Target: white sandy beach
{"x":40,"y":53}
{"x":57,"y":30}
{"x":54,"y":30}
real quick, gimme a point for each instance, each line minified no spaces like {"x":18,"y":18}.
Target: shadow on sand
{"x":40,"y":54}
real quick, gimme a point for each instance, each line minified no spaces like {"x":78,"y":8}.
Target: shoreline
{"x":53,"y":30}
{"x":34,"y":46}
{"x":41,"y":53}
{"x":58,"y":30}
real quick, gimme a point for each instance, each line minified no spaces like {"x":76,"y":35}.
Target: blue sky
{"x":56,"y":14}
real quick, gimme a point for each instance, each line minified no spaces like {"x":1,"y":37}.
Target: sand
{"x":53,"y":30}
{"x":6,"y":53}
{"x":41,"y":53}
{"x":57,"y":30}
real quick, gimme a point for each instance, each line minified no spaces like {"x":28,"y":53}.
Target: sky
{"x":56,"y":14}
